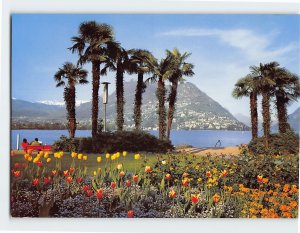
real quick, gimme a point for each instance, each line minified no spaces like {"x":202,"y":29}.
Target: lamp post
{"x":105,"y":100}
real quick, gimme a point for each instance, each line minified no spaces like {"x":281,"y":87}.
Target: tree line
{"x":96,"y":44}
{"x":273,"y":83}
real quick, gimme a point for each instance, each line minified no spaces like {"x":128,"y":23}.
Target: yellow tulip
{"x":118,"y":154}
{"x":41,"y":153}
{"x":99,"y":159}
{"x":107,"y":156}
{"x":29,"y":158}
{"x":85,"y":157}
{"x":73,"y":154}
{"x":46,"y":155}
{"x":95,"y":173}
{"x":113,"y":157}
{"x":48,"y":160}
{"x":137,"y":156}
{"x":80,"y":156}
{"x":124,"y":153}
{"x":119,"y":166}
{"x":36,"y":159}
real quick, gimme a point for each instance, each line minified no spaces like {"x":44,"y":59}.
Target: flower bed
{"x":164,"y":186}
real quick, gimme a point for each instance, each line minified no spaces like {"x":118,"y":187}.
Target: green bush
{"x":114,"y":141}
{"x":287,"y":143}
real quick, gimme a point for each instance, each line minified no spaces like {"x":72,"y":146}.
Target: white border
{"x":121,"y":6}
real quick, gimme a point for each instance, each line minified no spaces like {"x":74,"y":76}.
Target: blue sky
{"x":222,"y":46}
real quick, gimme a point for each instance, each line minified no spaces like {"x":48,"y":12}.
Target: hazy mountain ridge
{"x":194,"y":110}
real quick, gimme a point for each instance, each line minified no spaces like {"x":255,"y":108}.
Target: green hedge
{"x":114,"y":141}
{"x":287,"y":143}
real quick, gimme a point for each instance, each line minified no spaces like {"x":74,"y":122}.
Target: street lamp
{"x":105,"y":100}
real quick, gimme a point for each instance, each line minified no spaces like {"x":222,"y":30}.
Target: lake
{"x":196,"y":138}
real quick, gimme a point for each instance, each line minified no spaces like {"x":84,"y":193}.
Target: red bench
{"x":38,"y":148}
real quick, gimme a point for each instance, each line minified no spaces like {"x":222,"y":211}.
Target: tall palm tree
{"x":266,"y":75}
{"x":139,"y":60}
{"x":287,"y":90}
{"x":91,"y":45}
{"x":162,"y":71}
{"x":248,"y":86}
{"x":119,"y":62}
{"x":181,"y":68}
{"x":69,"y":76}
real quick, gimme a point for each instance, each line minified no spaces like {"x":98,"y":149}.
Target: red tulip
{"x":130,"y":214}
{"x":89,"y":193}
{"x":85,"y":188}
{"x":71,"y":170}
{"x":39,"y":163}
{"x":66,"y":173}
{"x":79,"y":180}
{"x":112,"y":185}
{"x":16,"y":165}
{"x":16,"y":173}
{"x":99,"y":194}
{"x":69,"y":179}
{"x":35,"y":182}
{"x":46,"y":180}
{"x":195,"y":198}
{"x":127,"y":183}
{"x":259,"y":179}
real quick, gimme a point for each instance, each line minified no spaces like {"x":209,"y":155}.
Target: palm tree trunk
{"x":172,"y":101}
{"x":138,"y":101}
{"x":266,"y":116}
{"x":120,"y":98}
{"x":161,"y":96}
{"x":254,"y":116}
{"x":283,"y":125}
{"x":95,"y":97}
{"x":72,"y":119}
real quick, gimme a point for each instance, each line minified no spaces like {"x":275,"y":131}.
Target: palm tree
{"x":181,"y":69}
{"x":287,"y":89}
{"x":140,"y":65}
{"x":91,"y":45}
{"x":69,"y":76}
{"x":266,"y":76}
{"x":119,"y":62}
{"x":162,"y":71}
{"x":247,"y":86}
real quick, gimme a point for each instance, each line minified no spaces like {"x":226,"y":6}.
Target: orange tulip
{"x":135,"y":178}
{"x":185,"y":182}
{"x":168,"y":176}
{"x":122,"y":174}
{"x":172,"y":194}
{"x":148,"y":169}
{"x":216,"y":198}
{"x":208,"y":174}
{"x":99,"y":194}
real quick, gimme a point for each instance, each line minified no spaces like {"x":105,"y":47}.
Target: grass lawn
{"x":129,"y":164}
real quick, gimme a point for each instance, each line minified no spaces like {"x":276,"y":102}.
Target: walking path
{"x":234,"y":150}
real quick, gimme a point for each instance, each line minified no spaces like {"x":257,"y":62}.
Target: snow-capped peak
{"x":60,"y":103}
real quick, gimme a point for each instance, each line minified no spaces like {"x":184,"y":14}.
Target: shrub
{"x":287,"y":143}
{"x":114,"y":141}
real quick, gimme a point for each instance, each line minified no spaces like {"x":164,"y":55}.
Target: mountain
{"x":243,"y":118}
{"x":293,"y":120}
{"x":194,"y":110}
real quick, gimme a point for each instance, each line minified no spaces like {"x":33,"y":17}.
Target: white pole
{"x":18,"y":141}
